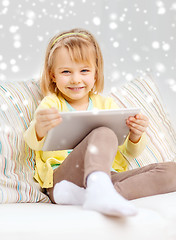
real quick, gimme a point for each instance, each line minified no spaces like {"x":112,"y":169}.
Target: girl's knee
{"x":106,"y":133}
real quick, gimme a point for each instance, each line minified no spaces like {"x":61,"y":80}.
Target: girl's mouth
{"x":75,"y":88}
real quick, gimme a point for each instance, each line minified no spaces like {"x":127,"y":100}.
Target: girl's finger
{"x":141,"y":116}
{"x":47,"y":111}
{"x":48,"y":126}
{"x":48,"y":117}
{"x":139,"y":122}
{"x":136,"y":126}
{"x":52,"y":123}
{"x":136,"y":131}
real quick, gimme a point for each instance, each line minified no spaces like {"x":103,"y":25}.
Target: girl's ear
{"x":93,"y":89}
{"x":52,"y":76}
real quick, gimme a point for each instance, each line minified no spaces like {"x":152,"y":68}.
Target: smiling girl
{"x":72,"y":80}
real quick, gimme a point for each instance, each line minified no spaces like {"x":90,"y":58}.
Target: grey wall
{"x":135,"y":37}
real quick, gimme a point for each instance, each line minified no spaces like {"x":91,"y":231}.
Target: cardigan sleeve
{"x":31,"y":139}
{"x":132,"y":150}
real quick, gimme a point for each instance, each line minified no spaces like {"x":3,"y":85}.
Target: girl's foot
{"x":101,"y":196}
{"x":68,"y":193}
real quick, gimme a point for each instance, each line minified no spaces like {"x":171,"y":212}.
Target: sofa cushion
{"x":155,"y":220}
{"x":18,"y":101}
{"x":161,"y":144}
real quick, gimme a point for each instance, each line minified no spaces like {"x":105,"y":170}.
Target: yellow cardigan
{"x":44,"y":159}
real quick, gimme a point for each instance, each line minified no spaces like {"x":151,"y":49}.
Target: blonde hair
{"x":80,"y":44}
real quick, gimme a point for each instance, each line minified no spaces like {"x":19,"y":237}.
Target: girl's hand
{"x":45,"y":120}
{"x":137,"y":126}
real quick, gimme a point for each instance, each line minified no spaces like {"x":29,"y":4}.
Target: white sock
{"x":68,"y":193}
{"x":101,"y":196}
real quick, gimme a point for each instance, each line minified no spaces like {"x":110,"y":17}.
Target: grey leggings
{"x":96,"y":152}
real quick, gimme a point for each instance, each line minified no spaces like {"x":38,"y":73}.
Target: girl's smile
{"x":76,"y":88}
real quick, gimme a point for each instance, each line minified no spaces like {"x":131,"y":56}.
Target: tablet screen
{"x":78,"y":124}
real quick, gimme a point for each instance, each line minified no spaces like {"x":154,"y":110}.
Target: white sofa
{"x":26,"y":213}
{"x":155,"y":220}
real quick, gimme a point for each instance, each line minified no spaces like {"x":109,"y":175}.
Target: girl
{"x":95,"y":173}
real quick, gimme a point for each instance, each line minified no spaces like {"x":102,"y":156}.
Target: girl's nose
{"x":76,"y":78}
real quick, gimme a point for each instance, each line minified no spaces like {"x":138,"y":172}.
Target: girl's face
{"x":74,"y":80}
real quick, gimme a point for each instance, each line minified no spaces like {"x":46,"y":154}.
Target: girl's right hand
{"x":45,"y":120}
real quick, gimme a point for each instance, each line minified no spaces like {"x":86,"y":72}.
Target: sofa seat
{"x":156,"y":220}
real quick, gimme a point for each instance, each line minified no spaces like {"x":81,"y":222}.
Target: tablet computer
{"x":75,"y":126}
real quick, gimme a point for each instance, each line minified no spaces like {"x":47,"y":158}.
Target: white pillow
{"x":18,"y":101}
{"x":161,"y":145}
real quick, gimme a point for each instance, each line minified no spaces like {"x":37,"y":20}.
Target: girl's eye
{"x":65,"y":72}
{"x":85,"y":70}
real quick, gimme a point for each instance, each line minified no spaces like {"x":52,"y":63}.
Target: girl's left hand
{"x":137,"y":126}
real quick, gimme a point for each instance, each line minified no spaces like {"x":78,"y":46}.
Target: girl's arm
{"x":136,"y":140}
{"x":45,"y":120}
{"x":45,"y":117}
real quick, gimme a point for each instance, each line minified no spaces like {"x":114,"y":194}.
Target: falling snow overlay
{"x":136,"y":37}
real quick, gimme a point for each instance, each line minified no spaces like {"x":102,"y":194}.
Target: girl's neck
{"x":79,"y":105}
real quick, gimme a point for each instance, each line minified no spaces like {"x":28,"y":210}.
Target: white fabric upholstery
{"x":34,"y":221}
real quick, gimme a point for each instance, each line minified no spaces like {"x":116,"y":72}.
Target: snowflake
{"x":149,"y":99}
{"x":15,"y":69}
{"x":116,"y":44}
{"x":96,"y":21}
{"x":156,"y":45}
{"x":95,"y":111}
{"x":113,"y":25}
{"x":123,"y":92}
{"x":29,"y":22}
{"x":17,"y":44}
{"x":173,"y":88}
{"x":4,"y":107}
{"x":173,"y":7}
{"x":7,"y":129}
{"x":135,"y":39}
{"x":40,"y":38}
{"x":136,"y":58}
{"x":13,"y":29}
{"x":113,"y":89}
{"x":113,"y":16}
{"x":93,"y":149}
{"x":30,"y":14}
{"x":71,"y":4}
{"x":3,"y":66}
{"x":2,"y":77}
{"x":166,"y":47}
{"x":5,"y":3}
{"x":25,"y":102}
{"x":160,"y":67}
{"x":115,"y":75}
{"x":129,"y":77}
